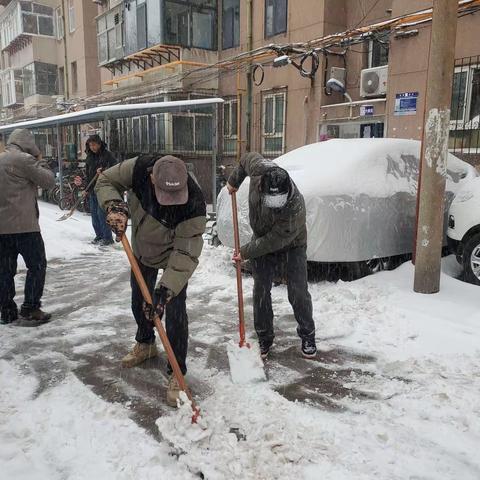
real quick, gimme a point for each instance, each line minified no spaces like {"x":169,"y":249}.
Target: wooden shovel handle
{"x":158,"y":324}
{"x":238,"y":264}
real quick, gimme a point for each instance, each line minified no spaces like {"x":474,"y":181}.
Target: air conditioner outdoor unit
{"x":373,"y":82}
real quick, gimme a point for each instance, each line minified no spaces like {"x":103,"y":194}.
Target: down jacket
{"x":163,"y":237}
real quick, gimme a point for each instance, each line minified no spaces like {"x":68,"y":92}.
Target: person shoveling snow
{"x":278,"y":221}
{"x":168,"y":213}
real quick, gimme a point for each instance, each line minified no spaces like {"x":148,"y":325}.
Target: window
{"x":466,"y":95}
{"x":378,"y":52}
{"x":159,"y":143}
{"x":61,"y":80}
{"x":110,"y":36}
{"x":12,"y":87}
{"x":192,"y":132}
{"x":141,"y":25}
{"x":74,"y":77}
{"x":71,"y":16}
{"x":231,"y":24}
{"x":275,"y":17}
{"x":39,"y":79}
{"x":37,"y":19}
{"x":191,"y":23}
{"x":230,"y":124}
{"x":59,"y":23}
{"x":273,"y":113}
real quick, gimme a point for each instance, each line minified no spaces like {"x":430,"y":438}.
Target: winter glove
{"x":117,"y":218}
{"x":161,"y":297}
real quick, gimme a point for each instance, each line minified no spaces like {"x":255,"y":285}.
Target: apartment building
{"x":48,"y":56}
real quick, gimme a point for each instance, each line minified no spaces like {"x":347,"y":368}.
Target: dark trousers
{"x":293,"y":264}
{"x":102,"y":230}
{"x":30,"y":246}
{"x":176,"y":320}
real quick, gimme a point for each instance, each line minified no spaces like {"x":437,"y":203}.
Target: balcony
{"x":21,"y":21}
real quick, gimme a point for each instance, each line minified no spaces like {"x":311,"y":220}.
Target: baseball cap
{"x":170,"y":181}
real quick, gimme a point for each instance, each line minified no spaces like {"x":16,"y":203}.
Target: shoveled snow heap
{"x":419,"y":417}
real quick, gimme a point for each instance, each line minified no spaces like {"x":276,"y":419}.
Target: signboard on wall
{"x":406,"y":103}
{"x":366,"y":110}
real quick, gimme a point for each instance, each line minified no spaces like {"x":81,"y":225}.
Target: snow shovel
{"x":245,"y":363}
{"x":161,"y":331}
{"x":67,"y":215}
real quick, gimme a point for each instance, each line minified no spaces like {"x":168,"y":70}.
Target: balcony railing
{"x":22,"y":20}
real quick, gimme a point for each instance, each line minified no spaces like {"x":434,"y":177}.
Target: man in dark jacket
{"x":168,"y":214}
{"x":98,"y":160}
{"x":279,"y":243}
{"x":22,"y":171}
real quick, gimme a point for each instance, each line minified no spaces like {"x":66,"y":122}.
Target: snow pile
{"x":245,"y":363}
{"x":67,"y":432}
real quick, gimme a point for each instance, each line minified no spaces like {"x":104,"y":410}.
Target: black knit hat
{"x":275,"y":182}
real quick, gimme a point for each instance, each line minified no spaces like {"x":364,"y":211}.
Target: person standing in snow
{"x":168,"y":214}
{"x":22,"y":171}
{"x":99,"y":158}
{"x":279,"y":243}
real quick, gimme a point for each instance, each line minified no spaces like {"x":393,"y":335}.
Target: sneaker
{"x":8,"y":316}
{"x":139,"y":353}
{"x":173,"y":391}
{"x":265,"y":346}
{"x":309,"y":348}
{"x":96,"y":240}
{"x":34,"y":316}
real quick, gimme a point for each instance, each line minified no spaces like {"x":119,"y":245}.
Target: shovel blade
{"x":246,"y":366}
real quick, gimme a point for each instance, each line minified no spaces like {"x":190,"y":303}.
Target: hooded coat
{"x":21,"y":173}
{"x":274,"y":229}
{"x":103,"y":159}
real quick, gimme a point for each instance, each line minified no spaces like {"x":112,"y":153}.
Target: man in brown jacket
{"x":22,"y":171}
{"x":168,"y":214}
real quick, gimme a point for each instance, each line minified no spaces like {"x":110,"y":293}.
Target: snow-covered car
{"x":360,"y":196}
{"x":464,"y":229}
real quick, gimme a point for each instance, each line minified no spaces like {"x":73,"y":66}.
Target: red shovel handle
{"x":238,"y":264}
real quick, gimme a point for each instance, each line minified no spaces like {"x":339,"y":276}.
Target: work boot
{"x":140,"y":353}
{"x":173,"y":391}
{"x":8,"y":316}
{"x":309,"y":348}
{"x":34,"y":316}
{"x":265,"y":346}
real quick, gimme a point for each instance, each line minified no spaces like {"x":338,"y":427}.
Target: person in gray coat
{"x":22,"y":171}
{"x":279,"y":244}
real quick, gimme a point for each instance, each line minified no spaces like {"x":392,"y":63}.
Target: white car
{"x":360,"y":196}
{"x":464,"y":229}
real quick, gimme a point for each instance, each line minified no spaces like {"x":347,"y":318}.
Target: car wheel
{"x":471,"y":259}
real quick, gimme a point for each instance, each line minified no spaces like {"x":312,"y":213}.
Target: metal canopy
{"x":98,"y":114}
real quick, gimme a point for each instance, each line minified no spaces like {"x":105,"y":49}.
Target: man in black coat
{"x":278,"y":220}
{"x":98,"y":160}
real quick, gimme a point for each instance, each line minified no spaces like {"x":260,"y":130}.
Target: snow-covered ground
{"x":392,"y":395}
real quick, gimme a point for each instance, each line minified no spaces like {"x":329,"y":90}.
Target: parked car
{"x":360,"y":196}
{"x":464,"y":229}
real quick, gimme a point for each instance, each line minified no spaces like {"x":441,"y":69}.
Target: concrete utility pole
{"x":435,"y":147}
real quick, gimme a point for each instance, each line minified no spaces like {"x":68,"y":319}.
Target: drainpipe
{"x":249,"y":106}
{"x":66,"y":89}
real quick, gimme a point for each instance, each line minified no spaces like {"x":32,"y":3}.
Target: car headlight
{"x":451,"y":221}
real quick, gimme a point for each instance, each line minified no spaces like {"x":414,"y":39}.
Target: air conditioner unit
{"x":373,"y":82}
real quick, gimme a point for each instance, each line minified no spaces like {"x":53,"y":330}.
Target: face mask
{"x":275,"y":201}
